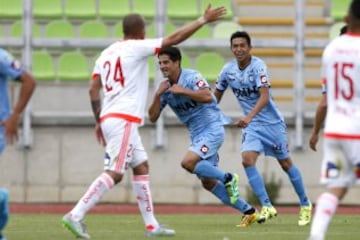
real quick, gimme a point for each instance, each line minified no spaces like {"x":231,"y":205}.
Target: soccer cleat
{"x":305,"y":215}
{"x":161,"y":231}
{"x":248,"y":219}
{"x":232,"y":188}
{"x":77,"y":228}
{"x":266,"y":213}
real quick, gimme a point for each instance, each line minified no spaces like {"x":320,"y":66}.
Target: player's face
{"x":169,"y":68}
{"x":241,"y":49}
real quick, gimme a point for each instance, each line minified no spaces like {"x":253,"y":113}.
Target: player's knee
{"x":285,"y":164}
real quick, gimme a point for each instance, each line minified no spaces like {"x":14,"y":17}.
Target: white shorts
{"x":341,"y":162}
{"x":124,"y":147}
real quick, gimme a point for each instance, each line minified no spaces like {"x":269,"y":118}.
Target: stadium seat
{"x":43,"y":66}
{"x":80,"y":9}
{"x":10,"y":9}
{"x":224,"y":30}
{"x":16,"y":29}
{"x":45,"y":9}
{"x":209,"y":65}
{"x":73,"y":67}
{"x":150,"y":29}
{"x":146,"y":8}
{"x":59,"y":28}
{"x":335,"y":29}
{"x":218,"y":3}
{"x":203,"y":32}
{"x":339,"y":9}
{"x":187,"y":9}
{"x":110,"y":9}
{"x":93,"y":29}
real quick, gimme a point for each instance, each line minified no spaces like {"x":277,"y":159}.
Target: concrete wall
{"x":64,"y":160}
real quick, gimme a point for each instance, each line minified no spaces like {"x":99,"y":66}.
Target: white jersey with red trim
{"x":341,"y":74}
{"x":124,"y":72}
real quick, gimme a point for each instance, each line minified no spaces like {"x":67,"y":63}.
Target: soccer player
{"x":340,"y":71}
{"x":10,"y":68}
{"x":121,"y":72}
{"x":263,"y":127}
{"x":321,"y":111}
{"x":188,"y":94}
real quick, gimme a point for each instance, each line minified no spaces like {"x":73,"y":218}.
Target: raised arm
{"x":181,"y":34}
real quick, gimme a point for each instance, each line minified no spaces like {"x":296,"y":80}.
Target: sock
{"x":99,"y":187}
{"x":296,"y":180}
{"x":257,"y":185}
{"x":325,"y":209}
{"x":205,"y":169}
{"x":220,"y":192}
{"x":4,"y":208}
{"x":142,"y":191}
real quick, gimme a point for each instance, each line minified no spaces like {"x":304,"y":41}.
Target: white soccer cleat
{"x":77,"y":228}
{"x":160,"y":232}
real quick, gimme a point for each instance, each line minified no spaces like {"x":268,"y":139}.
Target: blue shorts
{"x":207,"y":143}
{"x":270,"y":140}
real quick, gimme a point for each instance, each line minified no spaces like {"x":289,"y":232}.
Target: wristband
{"x":201,"y":20}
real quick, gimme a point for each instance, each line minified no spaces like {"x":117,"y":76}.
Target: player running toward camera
{"x":340,"y":70}
{"x":121,"y":72}
{"x":189,"y":96}
{"x":263,"y":127}
{"x":10,"y":68}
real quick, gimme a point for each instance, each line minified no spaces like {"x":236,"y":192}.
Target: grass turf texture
{"x":199,"y":227}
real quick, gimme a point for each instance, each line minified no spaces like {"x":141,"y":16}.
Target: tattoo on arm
{"x":95,"y":105}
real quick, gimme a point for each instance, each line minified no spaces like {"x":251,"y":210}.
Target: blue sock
{"x":257,"y":185}
{"x":220,"y":192}
{"x":4,"y":207}
{"x":205,"y":169}
{"x":296,"y":180}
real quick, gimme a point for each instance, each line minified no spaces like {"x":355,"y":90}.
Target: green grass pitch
{"x":188,"y":227}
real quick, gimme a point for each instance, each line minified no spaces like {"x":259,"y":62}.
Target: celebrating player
{"x":189,"y":96}
{"x":264,"y":129}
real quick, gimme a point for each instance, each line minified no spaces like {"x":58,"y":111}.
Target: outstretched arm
{"x":181,"y":34}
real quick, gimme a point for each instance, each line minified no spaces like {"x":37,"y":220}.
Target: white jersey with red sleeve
{"x":124,"y":72}
{"x":341,"y":74}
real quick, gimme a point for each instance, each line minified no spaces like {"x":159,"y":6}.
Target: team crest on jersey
{"x":263,"y":79}
{"x":16,"y":65}
{"x":204,"y":149}
{"x":251,"y":76}
{"x":201,"y":84}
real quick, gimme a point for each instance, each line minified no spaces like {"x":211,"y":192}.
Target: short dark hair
{"x":173,"y":53}
{"x":354,"y":9}
{"x":132,"y":24}
{"x":241,"y":34}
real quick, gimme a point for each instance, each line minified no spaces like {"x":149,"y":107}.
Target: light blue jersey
{"x":245,"y":84}
{"x":266,"y":132}
{"x":11,"y":69}
{"x":205,"y":121}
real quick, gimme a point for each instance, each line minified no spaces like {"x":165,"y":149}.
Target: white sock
{"x":325,"y":209}
{"x":99,"y":187}
{"x":142,"y":191}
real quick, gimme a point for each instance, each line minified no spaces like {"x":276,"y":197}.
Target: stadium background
{"x":57,"y":155}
